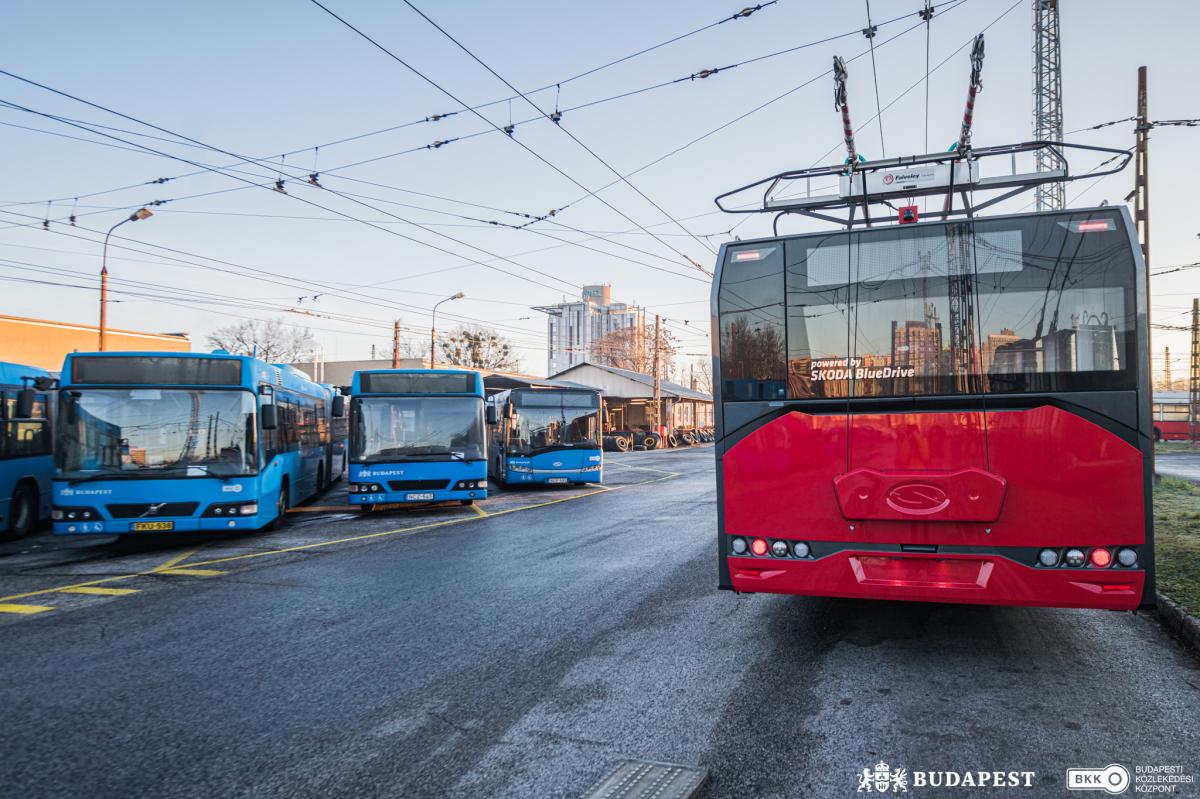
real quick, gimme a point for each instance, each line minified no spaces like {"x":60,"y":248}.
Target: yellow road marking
{"x":94,"y":590}
{"x":176,"y":559}
{"x":403,"y":532}
{"x":478,"y":510}
{"x":24,"y":610}
{"x":192,"y":572}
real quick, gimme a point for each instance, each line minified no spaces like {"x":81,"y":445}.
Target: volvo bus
{"x":26,"y":462}
{"x":416,"y":435}
{"x":947,"y":411}
{"x":546,"y":436}
{"x":149,"y":443}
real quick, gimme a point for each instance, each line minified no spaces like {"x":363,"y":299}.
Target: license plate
{"x":417,"y":497}
{"x":148,"y":526}
{"x":557,"y":480}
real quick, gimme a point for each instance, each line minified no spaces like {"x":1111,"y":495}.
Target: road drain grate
{"x":642,"y":779}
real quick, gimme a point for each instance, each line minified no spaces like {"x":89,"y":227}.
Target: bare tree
{"x":271,"y":340}
{"x":632,"y":348}
{"x":478,"y":348}
{"x":702,"y":371}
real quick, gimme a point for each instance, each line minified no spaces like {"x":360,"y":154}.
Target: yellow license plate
{"x":148,"y":526}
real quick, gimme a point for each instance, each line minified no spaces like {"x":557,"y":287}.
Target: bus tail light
{"x":1048,"y":557}
{"x":779,"y":549}
{"x":1101,"y":558}
{"x":1127,"y":556}
{"x":759,"y":547}
{"x":738,"y":545}
{"x":1074,"y":557}
{"x":800,"y":549}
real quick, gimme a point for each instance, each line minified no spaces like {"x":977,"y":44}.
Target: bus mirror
{"x":270,"y":417}
{"x":25,"y":403}
{"x":490,"y":415}
{"x":339,"y":406}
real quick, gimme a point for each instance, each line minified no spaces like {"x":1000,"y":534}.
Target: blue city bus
{"x":26,"y":462}
{"x":546,"y":435}
{"x":339,"y":432}
{"x":416,"y":435}
{"x":149,"y":443}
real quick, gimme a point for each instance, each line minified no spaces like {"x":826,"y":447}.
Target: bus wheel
{"x":1157,"y":434}
{"x":321,"y":479}
{"x":281,"y":508}
{"x":22,"y":516}
{"x":365,"y":509}
{"x":467,"y":501}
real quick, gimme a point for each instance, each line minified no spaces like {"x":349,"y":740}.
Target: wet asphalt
{"x":526,"y":653}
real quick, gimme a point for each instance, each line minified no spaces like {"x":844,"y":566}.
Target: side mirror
{"x":270,"y":416}
{"x":25,"y":403}
{"x":490,"y":414}
{"x":339,"y":406}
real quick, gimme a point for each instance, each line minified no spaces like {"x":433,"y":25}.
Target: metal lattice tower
{"x":1047,"y":98}
{"x":1194,"y":376}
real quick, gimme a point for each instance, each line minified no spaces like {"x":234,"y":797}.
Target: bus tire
{"x":366,"y":509}
{"x":467,"y":501}
{"x":281,"y":508}
{"x":1157,"y":434}
{"x":321,"y":485}
{"x":23,"y":511}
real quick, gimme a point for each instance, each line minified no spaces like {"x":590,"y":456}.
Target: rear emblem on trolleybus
{"x":917,"y":498}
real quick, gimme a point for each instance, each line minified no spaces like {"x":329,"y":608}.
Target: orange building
{"x":40,"y":342}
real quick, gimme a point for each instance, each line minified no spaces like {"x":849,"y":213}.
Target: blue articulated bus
{"x":149,"y":443}
{"x":416,"y":435}
{"x":26,"y":461}
{"x":545,"y":435}
{"x":339,"y":432}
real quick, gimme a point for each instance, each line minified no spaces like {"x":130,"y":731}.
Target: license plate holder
{"x":424,"y":496}
{"x":144,"y":527}
{"x":557,"y":480}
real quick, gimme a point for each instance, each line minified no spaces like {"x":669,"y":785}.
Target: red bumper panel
{"x":971,"y":579}
{"x":966,"y":495}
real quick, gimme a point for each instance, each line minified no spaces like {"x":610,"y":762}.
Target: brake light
{"x":1091,"y":225}
{"x":748,"y":255}
{"x":1101,"y":558}
{"x":759,"y":547}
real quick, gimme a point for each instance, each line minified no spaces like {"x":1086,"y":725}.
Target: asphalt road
{"x":1179,"y":464}
{"x":525,"y":653}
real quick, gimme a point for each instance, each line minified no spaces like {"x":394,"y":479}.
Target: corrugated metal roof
{"x":667,"y":387}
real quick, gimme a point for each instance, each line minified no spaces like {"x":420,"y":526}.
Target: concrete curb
{"x":1178,"y":621}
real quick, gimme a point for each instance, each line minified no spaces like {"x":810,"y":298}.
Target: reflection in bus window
{"x":752,"y":326}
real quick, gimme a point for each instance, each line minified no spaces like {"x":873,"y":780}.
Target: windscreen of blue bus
{"x":137,"y":432}
{"x":546,"y":420}
{"x":390,"y":429}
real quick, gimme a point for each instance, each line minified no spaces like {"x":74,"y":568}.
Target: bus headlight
{"x":61,"y":513}
{"x":232,"y":509}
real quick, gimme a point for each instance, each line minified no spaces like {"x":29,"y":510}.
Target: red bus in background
{"x":953,"y":411}
{"x":1170,"y":412}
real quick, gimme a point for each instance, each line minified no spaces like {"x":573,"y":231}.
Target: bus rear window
{"x":752,"y":327}
{"x":1035,"y":304}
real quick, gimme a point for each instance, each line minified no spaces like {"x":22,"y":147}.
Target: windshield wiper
{"x":91,"y":477}
{"x":224,"y":478}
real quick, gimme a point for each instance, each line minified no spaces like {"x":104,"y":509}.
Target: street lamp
{"x":433,"y":327}
{"x":139,"y":214}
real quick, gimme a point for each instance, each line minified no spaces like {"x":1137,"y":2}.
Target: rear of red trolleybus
{"x":948,"y":411}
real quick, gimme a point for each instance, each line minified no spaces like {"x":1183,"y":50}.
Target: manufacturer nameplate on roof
{"x":916,"y":178}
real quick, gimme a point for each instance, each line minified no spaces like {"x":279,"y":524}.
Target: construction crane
{"x":1047,"y":100}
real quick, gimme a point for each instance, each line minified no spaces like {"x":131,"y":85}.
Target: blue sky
{"x":260,"y":79}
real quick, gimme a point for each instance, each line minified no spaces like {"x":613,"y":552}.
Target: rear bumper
{"x":967,"y":579}
{"x":546,"y":477}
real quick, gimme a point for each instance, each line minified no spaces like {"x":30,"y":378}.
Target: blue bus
{"x":416,"y":435}
{"x":26,"y":462}
{"x":148,"y":443}
{"x":546,"y":435}
{"x":339,"y":432}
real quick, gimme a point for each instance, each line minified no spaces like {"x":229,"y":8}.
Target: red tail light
{"x":1101,"y":558}
{"x":759,"y":547}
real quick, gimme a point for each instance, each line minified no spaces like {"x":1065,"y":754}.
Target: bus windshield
{"x":548,"y":420}
{"x":138,"y":432}
{"x":391,"y":429}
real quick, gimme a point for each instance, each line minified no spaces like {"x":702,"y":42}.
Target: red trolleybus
{"x":947,"y":411}
{"x":1170,"y":410}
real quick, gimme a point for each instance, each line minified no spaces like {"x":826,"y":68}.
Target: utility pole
{"x":1141,"y":183}
{"x":657,"y":381}
{"x":103,"y":307}
{"x":396,"y":344}
{"x":1194,"y":377}
{"x":1047,"y":100}
{"x":1167,"y":369}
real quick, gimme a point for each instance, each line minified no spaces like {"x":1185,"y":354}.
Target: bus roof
{"x":12,"y":374}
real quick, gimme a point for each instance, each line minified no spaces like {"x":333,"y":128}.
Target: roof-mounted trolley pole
{"x":963,"y":145}
{"x":840,"y":103}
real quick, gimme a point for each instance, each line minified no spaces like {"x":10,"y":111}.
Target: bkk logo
{"x":1113,"y":779}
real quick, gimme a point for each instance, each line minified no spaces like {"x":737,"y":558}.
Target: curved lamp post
{"x":433,"y":328}
{"x":138,"y":215}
